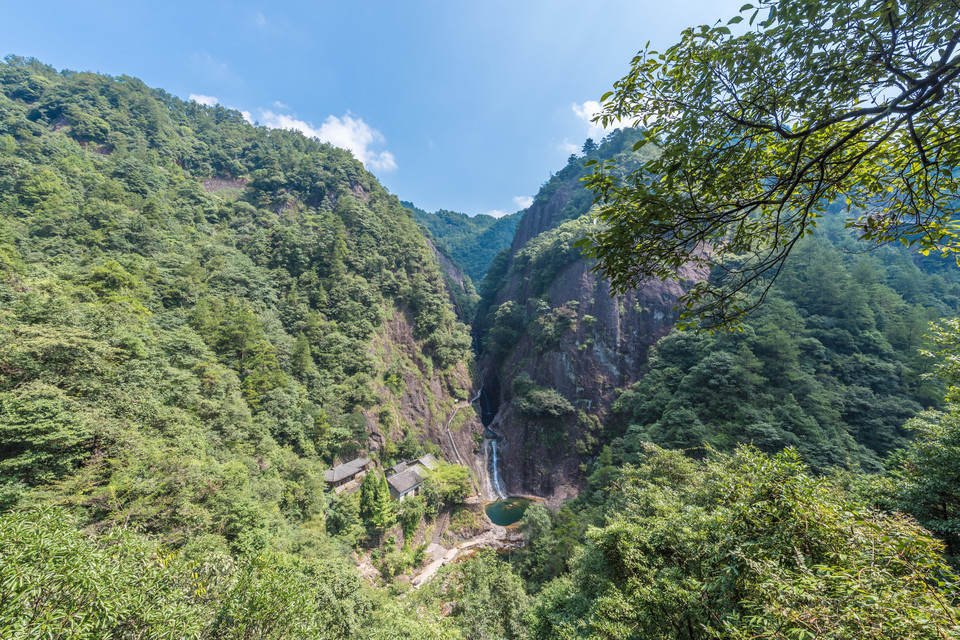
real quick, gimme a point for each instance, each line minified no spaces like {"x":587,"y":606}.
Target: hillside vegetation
{"x":828,"y":365}
{"x":199,"y":316}
{"x":471,"y":242}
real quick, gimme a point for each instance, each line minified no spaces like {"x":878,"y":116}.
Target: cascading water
{"x":491,"y":437}
{"x":495,"y":470}
{"x":505,"y":511}
{"x":497,"y":510}
{"x":490,"y":444}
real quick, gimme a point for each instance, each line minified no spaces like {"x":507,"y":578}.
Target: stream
{"x":491,"y":437}
{"x":495,"y":471}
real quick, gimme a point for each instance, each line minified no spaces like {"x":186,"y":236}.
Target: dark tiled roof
{"x":404,"y":481}
{"x":346,"y":470}
{"x":397,"y":468}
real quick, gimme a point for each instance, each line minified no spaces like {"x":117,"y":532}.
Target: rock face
{"x":436,"y":405}
{"x":578,"y":340}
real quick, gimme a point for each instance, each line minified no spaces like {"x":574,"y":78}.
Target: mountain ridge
{"x":306,"y":300}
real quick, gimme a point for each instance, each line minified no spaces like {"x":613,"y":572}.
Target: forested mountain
{"x":556,"y":344}
{"x":197,"y":317}
{"x":751,"y":526}
{"x":471,"y":242}
{"x":828,"y":365}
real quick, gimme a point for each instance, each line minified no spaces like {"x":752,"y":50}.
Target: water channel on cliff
{"x":506,"y":510}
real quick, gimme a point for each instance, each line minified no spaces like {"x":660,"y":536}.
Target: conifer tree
{"x":376,"y":507}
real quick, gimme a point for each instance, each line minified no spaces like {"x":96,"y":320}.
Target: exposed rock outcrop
{"x":427,"y":401}
{"x":578,"y":340}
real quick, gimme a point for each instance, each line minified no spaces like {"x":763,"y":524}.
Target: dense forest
{"x":471,"y":242}
{"x":835,"y":368}
{"x":829,"y":365}
{"x":199,"y":317}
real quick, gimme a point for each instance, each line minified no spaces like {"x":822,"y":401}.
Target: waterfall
{"x":495,"y":470}
{"x":487,"y":415}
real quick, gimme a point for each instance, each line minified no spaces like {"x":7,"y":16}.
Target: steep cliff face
{"x":544,"y":214}
{"x":433,"y":405}
{"x":558,"y":344}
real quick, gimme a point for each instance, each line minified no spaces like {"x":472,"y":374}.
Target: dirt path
{"x":462,"y":405}
{"x":440,"y":526}
{"x":495,"y":537}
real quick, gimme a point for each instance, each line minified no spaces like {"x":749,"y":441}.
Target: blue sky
{"x":458,"y":105}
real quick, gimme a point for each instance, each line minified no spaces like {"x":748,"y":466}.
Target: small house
{"x":406,"y":483}
{"x":427,"y":461}
{"x":347,"y":472}
{"x":397,"y":468}
{"x":405,"y":478}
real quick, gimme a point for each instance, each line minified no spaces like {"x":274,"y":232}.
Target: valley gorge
{"x":248,"y":392}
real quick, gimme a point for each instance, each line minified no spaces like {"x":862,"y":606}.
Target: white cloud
{"x":522,"y":201}
{"x":280,"y":105}
{"x":260,"y":20}
{"x":587,"y":111}
{"x":591,"y":109}
{"x":568,"y":147}
{"x":207,"y":101}
{"x":247,"y":116}
{"x":347,"y":132}
{"x":496,"y":213}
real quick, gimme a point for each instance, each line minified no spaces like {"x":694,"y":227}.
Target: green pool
{"x":507,"y":512}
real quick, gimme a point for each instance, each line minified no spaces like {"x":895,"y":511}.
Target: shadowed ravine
{"x":489,"y":405}
{"x":506,"y":510}
{"x":488,"y":411}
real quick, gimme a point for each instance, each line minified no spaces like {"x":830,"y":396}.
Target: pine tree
{"x":302,"y":360}
{"x":376,"y":506}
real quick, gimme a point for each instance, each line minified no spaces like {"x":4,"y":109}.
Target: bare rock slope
{"x":571,"y":336}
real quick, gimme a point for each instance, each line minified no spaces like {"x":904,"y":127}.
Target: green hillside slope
{"x":199,"y":316}
{"x":471,"y":242}
{"x":183,"y":293}
{"x":829,"y":365}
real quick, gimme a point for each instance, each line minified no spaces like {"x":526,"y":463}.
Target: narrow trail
{"x":462,"y":405}
{"x":456,"y":451}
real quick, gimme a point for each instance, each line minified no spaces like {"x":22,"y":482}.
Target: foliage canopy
{"x":747,"y":546}
{"x":760,"y":131}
